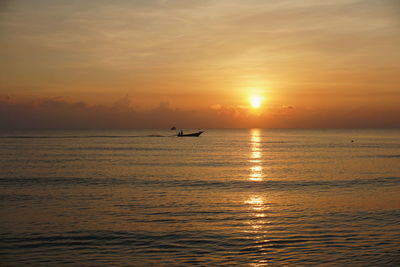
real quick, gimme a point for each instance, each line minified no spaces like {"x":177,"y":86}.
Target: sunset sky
{"x":199,"y":63}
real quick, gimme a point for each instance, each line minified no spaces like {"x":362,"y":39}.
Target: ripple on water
{"x":205,"y":247}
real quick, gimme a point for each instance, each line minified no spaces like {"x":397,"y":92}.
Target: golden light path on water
{"x":256,"y":203}
{"x":256,"y":169}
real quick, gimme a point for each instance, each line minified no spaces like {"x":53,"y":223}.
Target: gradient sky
{"x":197,"y":62}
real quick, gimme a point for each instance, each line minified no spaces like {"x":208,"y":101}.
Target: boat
{"x":190,"y":134}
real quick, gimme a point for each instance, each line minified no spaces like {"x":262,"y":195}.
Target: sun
{"x":255,"y":101}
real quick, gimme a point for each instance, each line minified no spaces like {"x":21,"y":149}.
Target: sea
{"x":231,"y":197}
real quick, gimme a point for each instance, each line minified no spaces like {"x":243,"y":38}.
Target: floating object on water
{"x":181,"y":134}
{"x":173,"y":128}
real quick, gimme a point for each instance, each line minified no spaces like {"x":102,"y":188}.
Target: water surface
{"x":229,"y":197}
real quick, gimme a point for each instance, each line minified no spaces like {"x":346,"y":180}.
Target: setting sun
{"x":255,"y":101}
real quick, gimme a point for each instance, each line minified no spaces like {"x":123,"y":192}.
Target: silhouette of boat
{"x":190,"y":134}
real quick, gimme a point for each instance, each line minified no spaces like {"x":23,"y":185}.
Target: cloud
{"x":215,"y":106}
{"x":57,"y":113}
{"x":288,"y":107}
{"x":123,"y":104}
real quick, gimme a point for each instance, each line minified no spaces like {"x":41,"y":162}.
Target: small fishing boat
{"x":180,"y":134}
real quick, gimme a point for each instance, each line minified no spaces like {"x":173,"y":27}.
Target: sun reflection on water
{"x":258,"y":224}
{"x":257,"y":205}
{"x":256,"y":170}
{"x":255,"y":201}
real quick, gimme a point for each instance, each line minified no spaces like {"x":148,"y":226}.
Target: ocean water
{"x":230,"y":197}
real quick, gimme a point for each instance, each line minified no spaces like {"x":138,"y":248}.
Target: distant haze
{"x":157,"y":63}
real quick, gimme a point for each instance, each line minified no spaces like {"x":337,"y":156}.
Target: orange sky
{"x":313,"y":63}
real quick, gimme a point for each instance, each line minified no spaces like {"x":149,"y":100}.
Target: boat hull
{"x":191,"y":134}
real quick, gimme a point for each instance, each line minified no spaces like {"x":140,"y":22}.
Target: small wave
{"x":120,"y":148}
{"x":79,"y":136}
{"x":205,"y":184}
{"x":59,"y":181}
{"x":382,"y":156}
{"x":273,"y":184}
{"x":205,"y":247}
